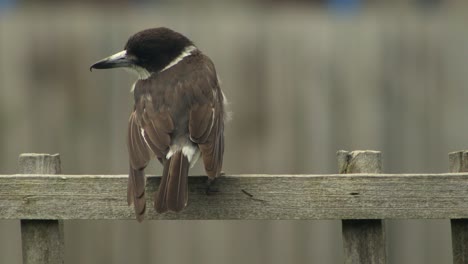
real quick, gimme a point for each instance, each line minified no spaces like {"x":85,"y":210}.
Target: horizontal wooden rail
{"x":360,"y":196}
{"x":335,"y":196}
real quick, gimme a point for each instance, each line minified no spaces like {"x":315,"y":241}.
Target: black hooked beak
{"x":120,"y":59}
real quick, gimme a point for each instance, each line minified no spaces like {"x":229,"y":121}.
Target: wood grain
{"x":42,"y":240}
{"x":335,"y":196}
{"x":363,"y":240}
{"x":458,"y":162}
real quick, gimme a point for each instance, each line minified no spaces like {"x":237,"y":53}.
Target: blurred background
{"x":304,"y":79}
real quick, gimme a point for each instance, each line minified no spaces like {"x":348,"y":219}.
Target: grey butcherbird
{"x":178,"y":114}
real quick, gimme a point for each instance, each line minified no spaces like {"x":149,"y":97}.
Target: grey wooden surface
{"x":363,"y":240}
{"x":42,"y":240}
{"x":354,"y":196}
{"x":459,"y":163}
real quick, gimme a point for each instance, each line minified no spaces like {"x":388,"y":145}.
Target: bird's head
{"x":148,"y":51}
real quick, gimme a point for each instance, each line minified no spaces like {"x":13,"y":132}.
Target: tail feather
{"x":173,"y":190}
{"x":160,"y":203}
{"x":136,"y":192}
{"x":177,"y":188}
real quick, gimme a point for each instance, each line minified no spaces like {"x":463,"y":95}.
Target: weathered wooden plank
{"x":335,"y":196}
{"x":363,"y":240}
{"x":42,"y":240}
{"x":36,"y":163}
{"x":458,"y":162}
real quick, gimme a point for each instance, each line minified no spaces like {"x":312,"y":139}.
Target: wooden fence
{"x":43,"y":198}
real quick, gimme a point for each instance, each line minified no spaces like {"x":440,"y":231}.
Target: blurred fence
{"x":301,"y":84}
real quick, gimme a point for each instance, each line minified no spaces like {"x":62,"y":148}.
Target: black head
{"x":156,"y":47}
{"x":150,"y":49}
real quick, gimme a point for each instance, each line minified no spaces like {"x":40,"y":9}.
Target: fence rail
{"x":42,"y":198}
{"x":354,"y":196}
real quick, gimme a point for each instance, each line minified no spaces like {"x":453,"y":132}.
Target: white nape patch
{"x":186,"y":52}
{"x":191,"y":152}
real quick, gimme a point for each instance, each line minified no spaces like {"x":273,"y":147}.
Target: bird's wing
{"x":206,"y":118}
{"x":139,"y":153}
{"x":148,"y":134}
{"x":139,"y":157}
{"x":206,"y":128}
{"x":153,"y":118}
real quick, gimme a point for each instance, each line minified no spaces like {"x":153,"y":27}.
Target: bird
{"x":178,"y":115}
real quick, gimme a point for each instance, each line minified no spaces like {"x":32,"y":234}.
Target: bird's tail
{"x":173,"y":190}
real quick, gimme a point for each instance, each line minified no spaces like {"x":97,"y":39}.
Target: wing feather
{"x":213,"y":150}
{"x":139,"y":156}
{"x":206,"y":128}
{"x":138,"y":151}
{"x":201,"y":122}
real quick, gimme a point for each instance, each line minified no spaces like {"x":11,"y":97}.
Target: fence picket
{"x":459,"y":163}
{"x":42,"y":240}
{"x":363,"y":240}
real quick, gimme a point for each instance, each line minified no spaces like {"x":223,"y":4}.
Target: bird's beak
{"x":120,"y":59}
